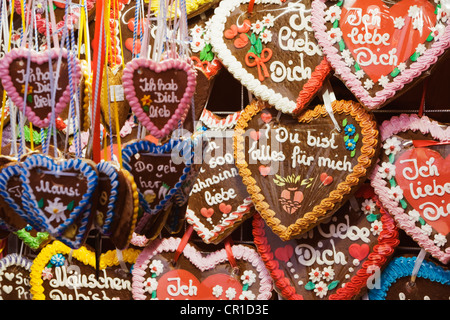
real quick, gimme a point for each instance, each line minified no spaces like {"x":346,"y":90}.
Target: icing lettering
{"x":177,"y":289}
{"x":280,"y":73}
{"x":264,"y":153}
{"x":344,"y":230}
{"x":308,"y":256}
{"x":45,"y":186}
{"x":222,"y":196}
{"x":432,"y":212}
{"x":429,"y":170}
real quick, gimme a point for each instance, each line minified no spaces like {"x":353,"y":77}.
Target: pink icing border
{"x":183,"y":106}
{"x":388,"y":128}
{"x":39,"y":58}
{"x":423,"y":63}
{"x":202,"y":263}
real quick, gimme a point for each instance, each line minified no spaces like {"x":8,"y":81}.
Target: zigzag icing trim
{"x":211,"y":122}
{"x":403,"y":267}
{"x":391,"y":127}
{"x":209,"y":235}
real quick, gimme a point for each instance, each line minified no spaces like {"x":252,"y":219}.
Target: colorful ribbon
{"x":258,"y":62}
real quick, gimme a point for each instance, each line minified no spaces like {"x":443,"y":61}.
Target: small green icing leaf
{"x":403,"y":203}
{"x":333,"y":284}
{"x":41,"y":203}
{"x":336,"y":24}
{"x":253,"y":39}
{"x":352,"y":154}
{"x":356,"y":137}
{"x":422,"y":222}
{"x":391,"y":158}
{"x":341,"y":45}
{"x":70,"y":206}
{"x":415,"y":56}
{"x":310,"y":286}
{"x":345,"y":138}
{"x":209,"y":56}
{"x":372,"y":217}
{"x":258,"y":46}
{"x":430,"y":37}
{"x":344,"y":122}
{"x":357,"y":67}
{"x":395,"y":72}
{"x":339,"y":4}
{"x":30,"y":98}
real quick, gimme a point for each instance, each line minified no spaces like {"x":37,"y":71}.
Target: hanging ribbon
{"x":422,"y":101}
{"x":418,"y":263}
{"x":228,"y":244}
{"x":182,"y":245}
{"x":429,"y":143}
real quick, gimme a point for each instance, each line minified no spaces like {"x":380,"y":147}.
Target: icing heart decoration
{"x":336,"y":259}
{"x":411,"y":180}
{"x":159,"y":93}
{"x":432,"y":281}
{"x":15,"y":277}
{"x":54,"y":277}
{"x":159,"y":172}
{"x":283,"y":170}
{"x":14,"y":73}
{"x":271,"y":51}
{"x":199,"y":277}
{"x":218,"y":187}
{"x":380,"y":49}
{"x":58,"y":195}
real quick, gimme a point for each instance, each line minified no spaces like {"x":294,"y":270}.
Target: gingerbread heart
{"x":282,"y":168}
{"x":336,"y":259}
{"x":159,"y":93}
{"x":24,"y":68}
{"x":431,"y":283}
{"x":15,"y":277}
{"x":198,"y":277}
{"x":277,"y":58}
{"x":56,"y":275}
{"x":219,"y":201}
{"x":158,"y":171}
{"x":380,"y":48}
{"x":58,"y":193}
{"x":411,"y":180}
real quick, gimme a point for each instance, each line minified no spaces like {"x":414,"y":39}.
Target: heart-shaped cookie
{"x":23,"y":67}
{"x":219,"y":201}
{"x":199,"y":277}
{"x":15,"y":277}
{"x":432,"y":281}
{"x":56,"y":275}
{"x":158,"y":171}
{"x":336,"y":259}
{"x":159,"y":93}
{"x":56,"y":193}
{"x":411,"y":180}
{"x":282,"y":168}
{"x":380,"y":48}
{"x":271,"y":51}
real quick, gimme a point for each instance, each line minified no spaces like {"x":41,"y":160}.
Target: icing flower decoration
{"x":368,"y":206}
{"x":334,"y":35}
{"x":247,"y":295}
{"x":350,"y":130}
{"x":57,"y":260}
{"x":396,"y":193}
{"x":217,"y":291}
{"x":350,"y":144}
{"x":266,"y":36}
{"x":230,"y":293}
{"x":47,"y":273}
{"x":30,"y":89}
{"x":146,"y":100}
{"x":197,"y":31}
{"x":399,"y":22}
{"x":440,"y":240}
{"x":391,"y":146}
{"x":387,"y":170}
{"x":197,"y":45}
{"x":414,"y":215}
{"x":248,"y":278}
{"x":149,"y":196}
{"x":333,"y":14}
{"x":328,"y":273}
{"x":156,"y":267}
{"x":56,"y":209}
{"x":321,"y":289}
{"x":257,"y":27}
{"x":150,"y":285}
{"x":383,"y":81}
{"x":376,"y":227}
{"x":426,"y":229}
{"x":268,"y":20}
{"x":315,"y":275}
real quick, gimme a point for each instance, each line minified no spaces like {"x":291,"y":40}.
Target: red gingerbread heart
{"x":199,"y":276}
{"x":411,"y":179}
